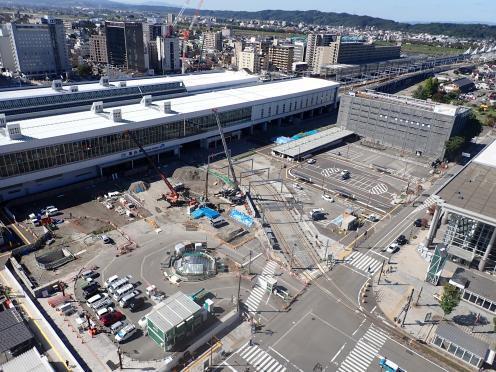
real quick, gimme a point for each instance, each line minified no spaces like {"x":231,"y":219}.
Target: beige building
{"x":98,"y":49}
{"x":213,"y":40}
{"x":281,"y":57}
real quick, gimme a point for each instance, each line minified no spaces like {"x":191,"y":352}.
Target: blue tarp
{"x":282,"y":140}
{"x":205,"y":212}
{"x":241,"y":217}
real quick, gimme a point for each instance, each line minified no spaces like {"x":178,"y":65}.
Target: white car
{"x":328,"y":198}
{"x":311,"y":161}
{"x":125,"y":333}
{"x":393,"y":248}
{"x":297,"y":186}
{"x":143,"y":322}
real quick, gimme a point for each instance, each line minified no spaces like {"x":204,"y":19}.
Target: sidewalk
{"x":57,"y":352}
{"x":407,"y":272}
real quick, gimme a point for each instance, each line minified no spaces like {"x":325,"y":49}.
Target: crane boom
{"x":173,"y":193}
{"x":226,"y":150}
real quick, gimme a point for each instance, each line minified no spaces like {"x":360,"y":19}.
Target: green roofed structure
{"x":173,"y":320}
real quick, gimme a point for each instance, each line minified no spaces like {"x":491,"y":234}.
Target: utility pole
{"x":418,"y":297}
{"x":382,"y":269}
{"x":239,"y":290}
{"x":249,"y":263}
{"x":119,"y":354}
{"x":325,"y":256}
{"x":407,"y":307}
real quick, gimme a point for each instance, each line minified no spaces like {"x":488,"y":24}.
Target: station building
{"x":46,"y":152}
{"x":465,"y":217}
{"x":60,"y":98}
{"x":409,"y":125}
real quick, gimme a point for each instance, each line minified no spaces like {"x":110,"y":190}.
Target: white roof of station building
{"x":487,"y":156}
{"x":192,"y":82}
{"x":182,"y":107}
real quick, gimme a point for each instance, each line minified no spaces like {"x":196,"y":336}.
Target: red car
{"x":110,"y":318}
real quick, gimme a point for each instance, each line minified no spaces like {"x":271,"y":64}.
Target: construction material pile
{"x":138,"y":186}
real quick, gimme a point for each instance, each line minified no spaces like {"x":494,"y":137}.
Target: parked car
{"x":110,"y":318}
{"x":402,"y":240}
{"x":117,"y":326}
{"x":328,"y":198}
{"x":297,"y":186}
{"x":311,"y":161}
{"x":417,"y":222}
{"x":106,"y":239}
{"x":50,"y":211}
{"x":345,"y":174}
{"x":110,"y":280}
{"x":136,"y":304}
{"x":393,"y":248}
{"x":125,"y":333}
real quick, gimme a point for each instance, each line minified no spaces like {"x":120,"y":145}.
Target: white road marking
{"x":339,"y":352}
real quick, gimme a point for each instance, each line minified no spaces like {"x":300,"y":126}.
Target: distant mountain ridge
{"x":477,"y":31}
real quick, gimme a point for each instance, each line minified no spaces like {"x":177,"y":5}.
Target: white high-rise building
{"x":299,"y":51}
{"x":168,"y":54}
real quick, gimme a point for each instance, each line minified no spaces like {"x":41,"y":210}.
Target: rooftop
{"x":312,"y":142}
{"x":173,"y":311}
{"x":63,"y":124}
{"x":30,"y":361}
{"x":457,"y":336}
{"x":192,"y":82}
{"x":13,"y":331}
{"x":476,"y":282}
{"x":474,"y":189}
{"x":439,"y":108}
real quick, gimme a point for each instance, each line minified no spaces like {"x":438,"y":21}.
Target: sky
{"x":461,"y":11}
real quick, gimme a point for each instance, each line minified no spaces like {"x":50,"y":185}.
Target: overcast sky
{"x":464,"y":11}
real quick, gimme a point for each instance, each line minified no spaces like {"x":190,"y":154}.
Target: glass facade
{"x":479,"y":301}
{"x":468,"y":234}
{"x":30,"y":104}
{"x":457,"y":351}
{"x":37,"y":159}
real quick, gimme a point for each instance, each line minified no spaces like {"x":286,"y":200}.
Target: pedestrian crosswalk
{"x":258,"y":292}
{"x":364,"y":262}
{"x":378,"y":189}
{"x":328,"y":172}
{"x":260,"y":359}
{"x":364,"y":352}
{"x":426,"y":204}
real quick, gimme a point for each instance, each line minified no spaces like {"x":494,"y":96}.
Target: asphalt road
{"x":371,"y":189}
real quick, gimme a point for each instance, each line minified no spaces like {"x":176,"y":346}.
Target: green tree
{"x":449,"y":299}
{"x":453,"y":147}
{"x":471,"y":128}
{"x":84,"y":70}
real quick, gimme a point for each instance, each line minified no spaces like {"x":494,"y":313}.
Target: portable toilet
{"x":208,"y":305}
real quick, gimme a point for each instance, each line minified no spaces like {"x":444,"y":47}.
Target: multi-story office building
{"x":466,"y":208}
{"x":299,"y":51}
{"x":407,"y":124}
{"x":171,"y":17}
{"x":98,"y":48}
{"x":281,"y":57}
{"x":212,"y":40}
{"x":42,"y":153}
{"x":168,"y":54}
{"x":314,"y":41}
{"x":125,"y":45}
{"x":248,"y":60}
{"x":353,"y":52}
{"x":37,"y":49}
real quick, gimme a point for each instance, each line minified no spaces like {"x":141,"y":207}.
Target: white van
{"x":110,"y":280}
{"x":103,"y":311}
{"x":94,"y":299}
{"x":66,"y":309}
{"x":122,"y":291}
{"x":117,"y":284}
{"x":127,"y":298}
{"x":125,"y":333}
{"x":114,"y":328}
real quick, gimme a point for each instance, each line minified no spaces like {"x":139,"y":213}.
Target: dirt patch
{"x":185,"y":174}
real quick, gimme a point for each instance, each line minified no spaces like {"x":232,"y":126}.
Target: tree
{"x":453,"y":147}
{"x":471,"y":128}
{"x":84,"y":70}
{"x":449,"y":299}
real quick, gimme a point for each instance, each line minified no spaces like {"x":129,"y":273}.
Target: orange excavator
{"x":172,"y":197}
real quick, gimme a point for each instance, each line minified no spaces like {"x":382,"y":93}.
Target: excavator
{"x":172,"y":197}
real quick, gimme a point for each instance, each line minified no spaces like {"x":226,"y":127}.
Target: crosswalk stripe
{"x":345,"y":368}
{"x":257,"y":362}
{"x":365,"y":350}
{"x":267,"y":360}
{"x":250,"y":351}
{"x":280,"y":368}
{"x":364,"y":263}
{"x":242,"y":348}
{"x":377,"y":333}
{"x":257,"y":352}
{"x":358,"y":358}
{"x":270,"y":364}
{"x":354,"y":367}
{"x":353,"y":255}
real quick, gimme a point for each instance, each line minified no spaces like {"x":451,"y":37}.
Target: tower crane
{"x":170,"y":28}
{"x":187,"y":32}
